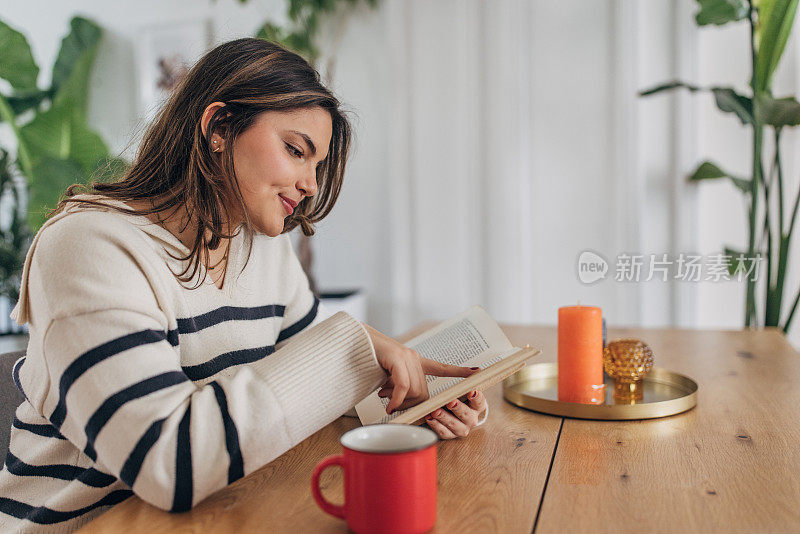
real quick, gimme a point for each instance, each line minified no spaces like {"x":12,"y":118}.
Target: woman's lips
{"x":286,"y":205}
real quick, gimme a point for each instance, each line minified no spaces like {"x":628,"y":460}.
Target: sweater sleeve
{"x":113,"y":384}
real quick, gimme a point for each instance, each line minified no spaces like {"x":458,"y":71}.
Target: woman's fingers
{"x":402,"y":383}
{"x":460,"y":419}
{"x":418,"y":386}
{"x":477,"y":401}
{"x":442,"y":431}
{"x":386,"y":388}
{"x":432,"y":367}
{"x":467,"y":415}
{"x":453,"y":423}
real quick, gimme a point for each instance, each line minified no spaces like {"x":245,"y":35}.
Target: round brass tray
{"x":535,"y":387}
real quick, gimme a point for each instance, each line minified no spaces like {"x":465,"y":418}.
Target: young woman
{"x":175,"y":345}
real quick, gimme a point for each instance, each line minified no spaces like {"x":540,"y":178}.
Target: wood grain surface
{"x":730,"y":464}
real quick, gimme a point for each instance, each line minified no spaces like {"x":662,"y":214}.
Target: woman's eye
{"x":295,"y":152}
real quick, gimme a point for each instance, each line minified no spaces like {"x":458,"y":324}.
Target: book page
{"x":470,"y":339}
{"x":466,"y":335}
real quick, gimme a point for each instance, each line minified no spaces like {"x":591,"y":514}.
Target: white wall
{"x":494,"y":142}
{"x":523,"y":117}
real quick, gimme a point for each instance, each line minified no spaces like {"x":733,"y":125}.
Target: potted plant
{"x":770,"y":225}
{"x":55,"y":147}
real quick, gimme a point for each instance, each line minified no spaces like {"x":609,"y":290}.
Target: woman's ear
{"x":216,"y":142}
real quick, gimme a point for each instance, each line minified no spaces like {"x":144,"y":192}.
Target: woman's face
{"x":276,"y":162}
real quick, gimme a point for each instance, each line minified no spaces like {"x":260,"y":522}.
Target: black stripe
{"x":288,"y":332}
{"x":182,"y":500}
{"x":189,"y":325}
{"x":96,"y":479}
{"x":130,"y":471}
{"x":106,"y":410}
{"x":17,"y":467}
{"x":15,"y":376}
{"x":236,"y":465}
{"x":47,"y":431}
{"x":172,"y":337}
{"x":46,"y":516}
{"x":93,"y":357}
{"x":223,"y":361}
{"x":88,"y":475}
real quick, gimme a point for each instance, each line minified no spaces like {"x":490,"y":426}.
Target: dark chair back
{"x":10,"y":398}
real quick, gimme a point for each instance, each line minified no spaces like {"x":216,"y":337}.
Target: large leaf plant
{"x":55,"y":146}
{"x":770,"y":225}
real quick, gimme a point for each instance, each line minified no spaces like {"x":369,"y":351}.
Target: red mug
{"x":389,"y":479}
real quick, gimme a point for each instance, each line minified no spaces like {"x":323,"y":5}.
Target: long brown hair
{"x":175,"y":165}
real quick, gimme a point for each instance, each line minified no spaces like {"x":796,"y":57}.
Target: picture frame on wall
{"x":165,"y":52}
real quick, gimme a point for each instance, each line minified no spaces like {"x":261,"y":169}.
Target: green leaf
{"x":74,"y":63}
{"x":305,"y":17}
{"x":778,"y":112}
{"x":300,"y":10}
{"x":299,"y":41}
{"x":710,"y":171}
{"x":730,"y":101}
{"x":269,"y":32}
{"x":775,"y":20}
{"x":59,"y":133}
{"x":668,"y":87}
{"x":726,"y":98}
{"x":51,"y":176}
{"x":22,"y":101}
{"x":720,"y":12}
{"x":735,"y":262}
{"x":16,"y":61}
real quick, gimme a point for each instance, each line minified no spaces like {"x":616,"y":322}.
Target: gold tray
{"x":665,"y":393}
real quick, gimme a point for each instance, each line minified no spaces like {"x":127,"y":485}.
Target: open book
{"x":470,"y":339}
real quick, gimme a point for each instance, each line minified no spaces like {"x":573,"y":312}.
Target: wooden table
{"x":730,"y":464}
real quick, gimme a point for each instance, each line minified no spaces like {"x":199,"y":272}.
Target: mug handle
{"x":333,"y":509}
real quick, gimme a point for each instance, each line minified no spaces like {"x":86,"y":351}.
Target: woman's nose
{"x":308,"y":184}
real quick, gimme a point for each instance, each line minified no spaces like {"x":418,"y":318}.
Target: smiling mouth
{"x":287,"y":205}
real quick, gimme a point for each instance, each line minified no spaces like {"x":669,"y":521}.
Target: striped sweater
{"x":137,"y":384}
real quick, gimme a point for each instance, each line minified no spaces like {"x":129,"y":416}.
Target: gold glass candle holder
{"x":627,"y":361}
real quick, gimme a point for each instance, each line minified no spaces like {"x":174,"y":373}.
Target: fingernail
{"x":475,"y":368}
{"x":452,"y":404}
{"x":437,"y":413}
{"x":473,"y":394}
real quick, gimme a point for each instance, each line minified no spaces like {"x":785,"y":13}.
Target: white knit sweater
{"x":135,"y":382}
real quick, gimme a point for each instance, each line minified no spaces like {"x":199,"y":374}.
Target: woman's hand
{"x":458,"y":419}
{"x":407,"y":369}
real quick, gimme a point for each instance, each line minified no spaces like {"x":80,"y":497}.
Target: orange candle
{"x":580,"y":354}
